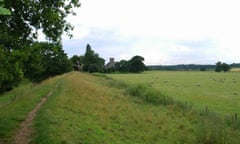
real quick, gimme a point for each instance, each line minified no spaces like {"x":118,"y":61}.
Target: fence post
{"x":236,"y":121}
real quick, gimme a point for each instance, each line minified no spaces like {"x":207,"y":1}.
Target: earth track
{"x":23,"y":135}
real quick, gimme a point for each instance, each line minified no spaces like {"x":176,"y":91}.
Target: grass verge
{"x":14,"y":111}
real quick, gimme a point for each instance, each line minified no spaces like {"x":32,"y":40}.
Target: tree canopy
{"x":4,"y":11}
{"x":90,"y":61}
{"x":135,"y":65}
{"x":20,"y":22}
{"x":222,"y":67}
{"x":46,"y":60}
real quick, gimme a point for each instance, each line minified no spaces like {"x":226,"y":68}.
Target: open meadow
{"x":219,"y":92}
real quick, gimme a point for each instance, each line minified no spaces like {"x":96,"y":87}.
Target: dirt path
{"x":23,"y":135}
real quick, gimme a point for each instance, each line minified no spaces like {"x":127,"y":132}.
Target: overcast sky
{"x":162,"y":31}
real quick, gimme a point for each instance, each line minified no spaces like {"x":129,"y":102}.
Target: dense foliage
{"x":20,"y":22}
{"x":89,"y":62}
{"x":92,"y":62}
{"x":3,"y":11}
{"x":222,"y":67}
{"x":135,"y":65}
{"x":46,"y":60}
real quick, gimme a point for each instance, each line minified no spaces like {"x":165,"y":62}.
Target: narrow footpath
{"x":23,"y":135}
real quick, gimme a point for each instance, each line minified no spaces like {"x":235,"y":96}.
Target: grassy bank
{"x":87,"y":110}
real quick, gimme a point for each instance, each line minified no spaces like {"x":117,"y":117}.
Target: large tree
{"x":122,"y":66}
{"x":20,"y":29}
{"x":91,"y":61}
{"x":29,"y":16}
{"x":46,"y":60}
{"x":225,"y":67}
{"x":136,"y":64}
{"x":222,"y":67}
{"x":218,"y":67}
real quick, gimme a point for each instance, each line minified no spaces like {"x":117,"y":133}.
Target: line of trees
{"x":92,"y":62}
{"x":135,"y":65}
{"x":20,"y":53}
{"x":89,"y":62}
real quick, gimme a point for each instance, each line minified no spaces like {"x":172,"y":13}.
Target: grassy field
{"x":89,"y":109}
{"x":219,"y":92}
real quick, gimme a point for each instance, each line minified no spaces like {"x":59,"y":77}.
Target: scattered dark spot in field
{"x":181,"y":127}
{"x":151,"y":82}
{"x":235,"y":93}
{"x":165,"y":81}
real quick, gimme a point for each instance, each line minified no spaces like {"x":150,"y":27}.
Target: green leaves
{"x":4,"y":11}
{"x":10,"y":70}
{"x":46,"y":60}
{"x":18,"y":31}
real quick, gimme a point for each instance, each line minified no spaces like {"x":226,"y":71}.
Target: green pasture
{"x":219,"y":92}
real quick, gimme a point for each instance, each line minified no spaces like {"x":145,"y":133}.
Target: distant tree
{"x":222,"y":67}
{"x":136,"y":64}
{"x":77,"y":61}
{"x":218,"y":67}
{"x":91,"y":61}
{"x":225,"y":67}
{"x":203,"y":69}
{"x":122,"y":66}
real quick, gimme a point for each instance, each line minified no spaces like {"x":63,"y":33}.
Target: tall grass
{"x":211,"y":128}
{"x":149,"y":95}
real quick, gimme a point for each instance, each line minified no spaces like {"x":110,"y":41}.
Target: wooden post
{"x":236,"y":121}
{"x":206,"y":110}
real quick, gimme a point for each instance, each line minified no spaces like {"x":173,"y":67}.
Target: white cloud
{"x":164,"y":32}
